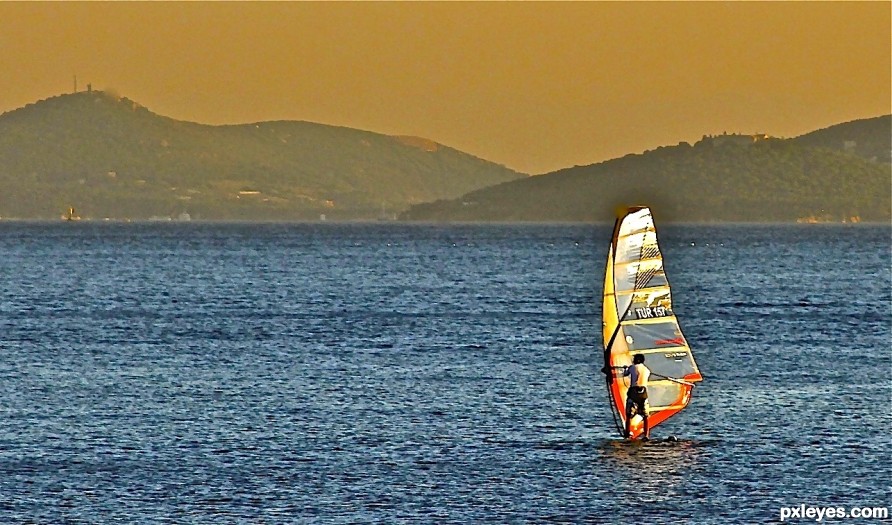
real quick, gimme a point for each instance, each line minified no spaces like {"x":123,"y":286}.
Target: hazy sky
{"x":534,"y":86}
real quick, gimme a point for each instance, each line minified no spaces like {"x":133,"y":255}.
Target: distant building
{"x":735,"y":139}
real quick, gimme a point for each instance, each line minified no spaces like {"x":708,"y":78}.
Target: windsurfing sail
{"x":638,"y":319}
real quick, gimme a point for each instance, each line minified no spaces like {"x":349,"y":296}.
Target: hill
{"x":831,"y":175}
{"x":110,"y":157}
{"x":867,"y":138}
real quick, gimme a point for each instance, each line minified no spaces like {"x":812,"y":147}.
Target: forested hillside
{"x":725,"y":178}
{"x":108,"y":156}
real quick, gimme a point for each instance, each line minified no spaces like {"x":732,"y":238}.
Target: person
{"x":636,"y":395}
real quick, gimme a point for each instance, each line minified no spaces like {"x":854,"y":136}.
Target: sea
{"x":391,"y":373}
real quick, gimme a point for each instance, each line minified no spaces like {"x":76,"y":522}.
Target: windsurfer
{"x":637,"y":319}
{"x":636,"y":396}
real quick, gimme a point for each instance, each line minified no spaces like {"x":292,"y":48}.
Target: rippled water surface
{"x":191,"y":373}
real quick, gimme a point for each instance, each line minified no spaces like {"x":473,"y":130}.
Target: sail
{"x":638,"y":319}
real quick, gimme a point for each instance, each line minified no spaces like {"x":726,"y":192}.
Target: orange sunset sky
{"x":534,"y":86}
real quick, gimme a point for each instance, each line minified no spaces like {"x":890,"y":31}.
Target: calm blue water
{"x":191,"y":373}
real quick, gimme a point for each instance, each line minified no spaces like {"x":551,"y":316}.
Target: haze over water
{"x":160,"y":373}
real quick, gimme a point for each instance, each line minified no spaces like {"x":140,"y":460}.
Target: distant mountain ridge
{"x":838,"y":174}
{"x":868,"y":138}
{"x":110,"y":157}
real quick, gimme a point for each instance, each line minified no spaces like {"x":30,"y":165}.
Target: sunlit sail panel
{"x":643,"y":336}
{"x":638,"y":318}
{"x":638,"y":275}
{"x":649,"y":305}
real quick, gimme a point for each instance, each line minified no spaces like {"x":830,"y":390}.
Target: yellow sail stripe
{"x":667,"y":407}
{"x":649,"y":228}
{"x":652,"y":320}
{"x":668,"y":382}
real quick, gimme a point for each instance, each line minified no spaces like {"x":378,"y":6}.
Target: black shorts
{"x":636,"y":398}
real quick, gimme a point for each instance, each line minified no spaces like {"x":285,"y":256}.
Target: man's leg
{"x":644,"y":409}
{"x":629,"y":414}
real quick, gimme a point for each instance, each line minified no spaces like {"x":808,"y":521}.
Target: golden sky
{"x":536,"y":86}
